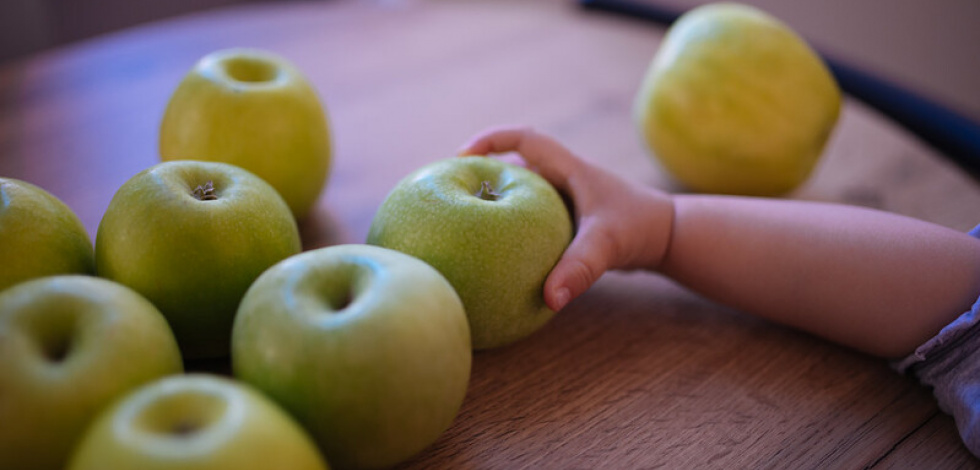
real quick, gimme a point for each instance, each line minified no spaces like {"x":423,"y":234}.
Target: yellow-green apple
{"x":39,"y":235}
{"x":493,"y":229}
{"x":736,"y":102}
{"x":69,"y":346}
{"x":253,"y":109}
{"x":191,"y":237}
{"x":195,"y":422}
{"x":368,"y":348}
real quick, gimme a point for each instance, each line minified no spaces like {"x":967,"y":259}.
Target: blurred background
{"x":28,"y":26}
{"x":930,"y":47}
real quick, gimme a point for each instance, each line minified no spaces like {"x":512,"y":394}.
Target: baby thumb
{"x":584,"y":261}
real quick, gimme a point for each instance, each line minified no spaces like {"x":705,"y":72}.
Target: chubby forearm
{"x":871,"y":280}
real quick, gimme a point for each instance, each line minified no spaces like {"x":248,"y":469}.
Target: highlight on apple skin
{"x":70,"y":346}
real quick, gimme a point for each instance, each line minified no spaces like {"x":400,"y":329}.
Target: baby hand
{"x":619,"y":224}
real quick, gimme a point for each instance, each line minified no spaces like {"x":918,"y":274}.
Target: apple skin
{"x":735,"y":102}
{"x":195,"y":422}
{"x":253,"y":109}
{"x":496,"y":254}
{"x":368,"y":348}
{"x":69,"y":346}
{"x":194,"y":258}
{"x":39,"y":235}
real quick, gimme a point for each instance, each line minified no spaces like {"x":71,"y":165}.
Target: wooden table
{"x":638,"y":372}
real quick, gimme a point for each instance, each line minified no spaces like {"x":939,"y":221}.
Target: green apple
{"x":368,"y":348}
{"x":39,"y":235}
{"x":493,"y":229}
{"x":195,"y":422}
{"x":191,"y":237}
{"x":253,"y":109}
{"x":69,"y":346}
{"x":735,"y":102}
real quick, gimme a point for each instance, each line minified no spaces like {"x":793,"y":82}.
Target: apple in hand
{"x":39,"y":235}
{"x":195,"y":421}
{"x":253,"y":109}
{"x":191,"y":237}
{"x":735,"y":102}
{"x":368,"y":348}
{"x":69,"y":346}
{"x":493,"y":229}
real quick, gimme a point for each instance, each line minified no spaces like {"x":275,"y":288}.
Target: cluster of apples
{"x":356,"y":355}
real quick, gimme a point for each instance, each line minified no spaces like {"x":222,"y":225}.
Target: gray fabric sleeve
{"x":949,"y":363}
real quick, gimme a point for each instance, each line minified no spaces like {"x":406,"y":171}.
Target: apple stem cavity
{"x":57,"y":349}
{"x":184,"y":429}
{"x":205,"y":192}
{"x":340,"y":303}
{"x":487,"y":193}
{"x":250,"y":69}
{"x":56,"y":344}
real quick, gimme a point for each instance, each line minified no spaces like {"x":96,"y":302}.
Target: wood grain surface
{"x":637,"y":373}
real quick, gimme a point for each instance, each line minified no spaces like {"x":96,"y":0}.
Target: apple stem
{"x":487,"y":193}
{"x":206,"y":192}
